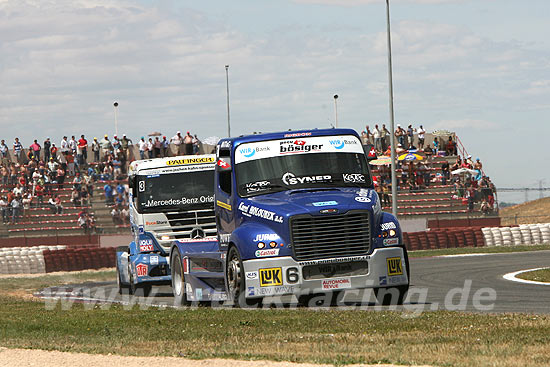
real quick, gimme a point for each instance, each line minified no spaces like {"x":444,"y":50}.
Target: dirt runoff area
{"x":41,"y":358}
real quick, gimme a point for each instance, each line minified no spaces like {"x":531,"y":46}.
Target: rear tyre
{"x":178,"y":280}
{"x":236,"y":282}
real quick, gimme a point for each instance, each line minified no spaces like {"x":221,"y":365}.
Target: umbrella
{"x":410,"y":157}
{"x":381,"y":161}
{"x":463,"y":171}
{"x":154,"y":133}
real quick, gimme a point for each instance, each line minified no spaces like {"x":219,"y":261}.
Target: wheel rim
{"x":177,"y":279}
{"x":234,"y":274}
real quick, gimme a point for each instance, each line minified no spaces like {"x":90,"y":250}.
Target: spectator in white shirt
{"x":142,"y":147}
{"x":177,"y":140}
{"x":377,"y":138}
{"x":421,"y":133}
{"x":64,"y":146}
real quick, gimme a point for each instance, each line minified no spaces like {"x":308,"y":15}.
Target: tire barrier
{"x":525,"y":234}
{"x":440,"y":238}
{"x":74,"y":259}
{"x":25,"y":260}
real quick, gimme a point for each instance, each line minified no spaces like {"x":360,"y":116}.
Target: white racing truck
{"x":171,"y":199}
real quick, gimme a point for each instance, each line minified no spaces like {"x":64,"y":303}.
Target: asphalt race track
{"x":438,"y":283}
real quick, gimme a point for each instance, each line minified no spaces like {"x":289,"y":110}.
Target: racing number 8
{"x":292,"y":275}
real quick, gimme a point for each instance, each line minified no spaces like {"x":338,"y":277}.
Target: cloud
{"x":465,"y":124}
{"x":367,"y":2}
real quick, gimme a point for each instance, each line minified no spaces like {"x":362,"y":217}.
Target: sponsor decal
{"x":364,"y":192}
{"x":391,"y":241}
{"x":154,"y":260}
{"x":251,"y":275}
{"x":298,"y":146}
{"x":398,"y":279}
{"x":204,"y":239}
{"x":223,"y":205}
{"x":290,"y":179}
{"x":256,"y":186}
{"x":362,"y":199}
{"x":225,"y":237}
{"x":267,"y":252}
{"x":340,"y":283}
{"x":181,"y":201}
{"x":336,"y":260}
{"x":383,"y":280}
{"x":142,"y":270}
{"x":271,"y":277}
{"x":295,"y":135}
{"x":225,"y":144}
{"x":223,"y":164}
{"x":198,"y":294}
{"x":329,"y":211}
{"x":325,"y":203}
{"x":248,"y":152}
{"x":388,"y":225}
{"x":141,"y":230}
{"x":157,"y":222}
{"x":394,"y":266}
{"x":146,"y":245}
{"x":252,"y":211}
{"x":341,"y":143}
{"x":353,"y":177}
{"x":266,"y":237}
{"x":271,"y":291}
{"x":205,"y":264}
{"x":199,"y":160}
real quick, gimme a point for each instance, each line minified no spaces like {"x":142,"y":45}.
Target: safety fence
{"x":47,"y":259}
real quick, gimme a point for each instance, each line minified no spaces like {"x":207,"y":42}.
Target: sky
{"x":480,"y":68}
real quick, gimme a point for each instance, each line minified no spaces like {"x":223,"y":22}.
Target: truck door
{"x":224,"y":195}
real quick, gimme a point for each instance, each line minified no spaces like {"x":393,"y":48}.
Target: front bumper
{"x":385,"y":267}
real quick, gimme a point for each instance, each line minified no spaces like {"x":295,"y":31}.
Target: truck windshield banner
{"x":301,"y":145}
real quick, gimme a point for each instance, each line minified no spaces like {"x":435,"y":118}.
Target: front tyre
{"x":235,"y":280}
{"x":178,"y":280}
{"x":391,"y":295}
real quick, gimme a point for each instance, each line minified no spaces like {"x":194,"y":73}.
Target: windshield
{"x":306,"y":163}
{"x":176,"y":191}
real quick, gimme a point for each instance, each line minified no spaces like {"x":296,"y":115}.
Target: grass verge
{"x":542,"y":275}
{"x":477,"y":250}
{"x":302,"y":335}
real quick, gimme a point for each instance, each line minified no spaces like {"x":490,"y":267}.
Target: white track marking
{"x":513,"y":278}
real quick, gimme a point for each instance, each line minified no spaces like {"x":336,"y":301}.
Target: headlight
{"x":165,"y":238}
{"x":261,"y":245}
{"x":392,"y":232}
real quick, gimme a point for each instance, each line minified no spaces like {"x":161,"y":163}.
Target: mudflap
{"x":203,"y":271}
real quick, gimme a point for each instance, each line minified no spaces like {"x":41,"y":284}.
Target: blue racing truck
{"x":296,"y":214}
{"x":171,"y":200}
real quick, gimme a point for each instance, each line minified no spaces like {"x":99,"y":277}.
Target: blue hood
{"x":312,"y":201}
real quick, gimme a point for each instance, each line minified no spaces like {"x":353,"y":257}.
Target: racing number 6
{"x":292,"y":275}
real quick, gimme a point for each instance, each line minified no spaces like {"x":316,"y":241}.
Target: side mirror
{"x":132,"y":184}
{"x":370,"y":152}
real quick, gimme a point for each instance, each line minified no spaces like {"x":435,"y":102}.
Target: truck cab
{"x":171,"y":199}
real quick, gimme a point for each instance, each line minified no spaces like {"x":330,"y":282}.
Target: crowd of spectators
{"x":30,"y":178}
{"x":470,"y":184}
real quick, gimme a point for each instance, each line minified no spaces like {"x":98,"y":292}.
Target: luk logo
{"x":247,"y":152}
{"x":394,"y":266}
{"x":338,"y":144}
{"x":270,"y":277}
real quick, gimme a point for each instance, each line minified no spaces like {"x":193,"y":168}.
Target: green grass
{"x":477,"y":250}
{"x":542,"y":275}
{"x":27,"y":285}
{"x":302,"y":335}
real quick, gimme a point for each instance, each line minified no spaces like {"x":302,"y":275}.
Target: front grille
{"x":186,"y":225}
{"x":328,"y":236}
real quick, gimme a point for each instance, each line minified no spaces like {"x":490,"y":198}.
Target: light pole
{"x":227,"y":88}
{"x":336,"y":109}
{"x":116,"y":119}
{"x":392,"y":128}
